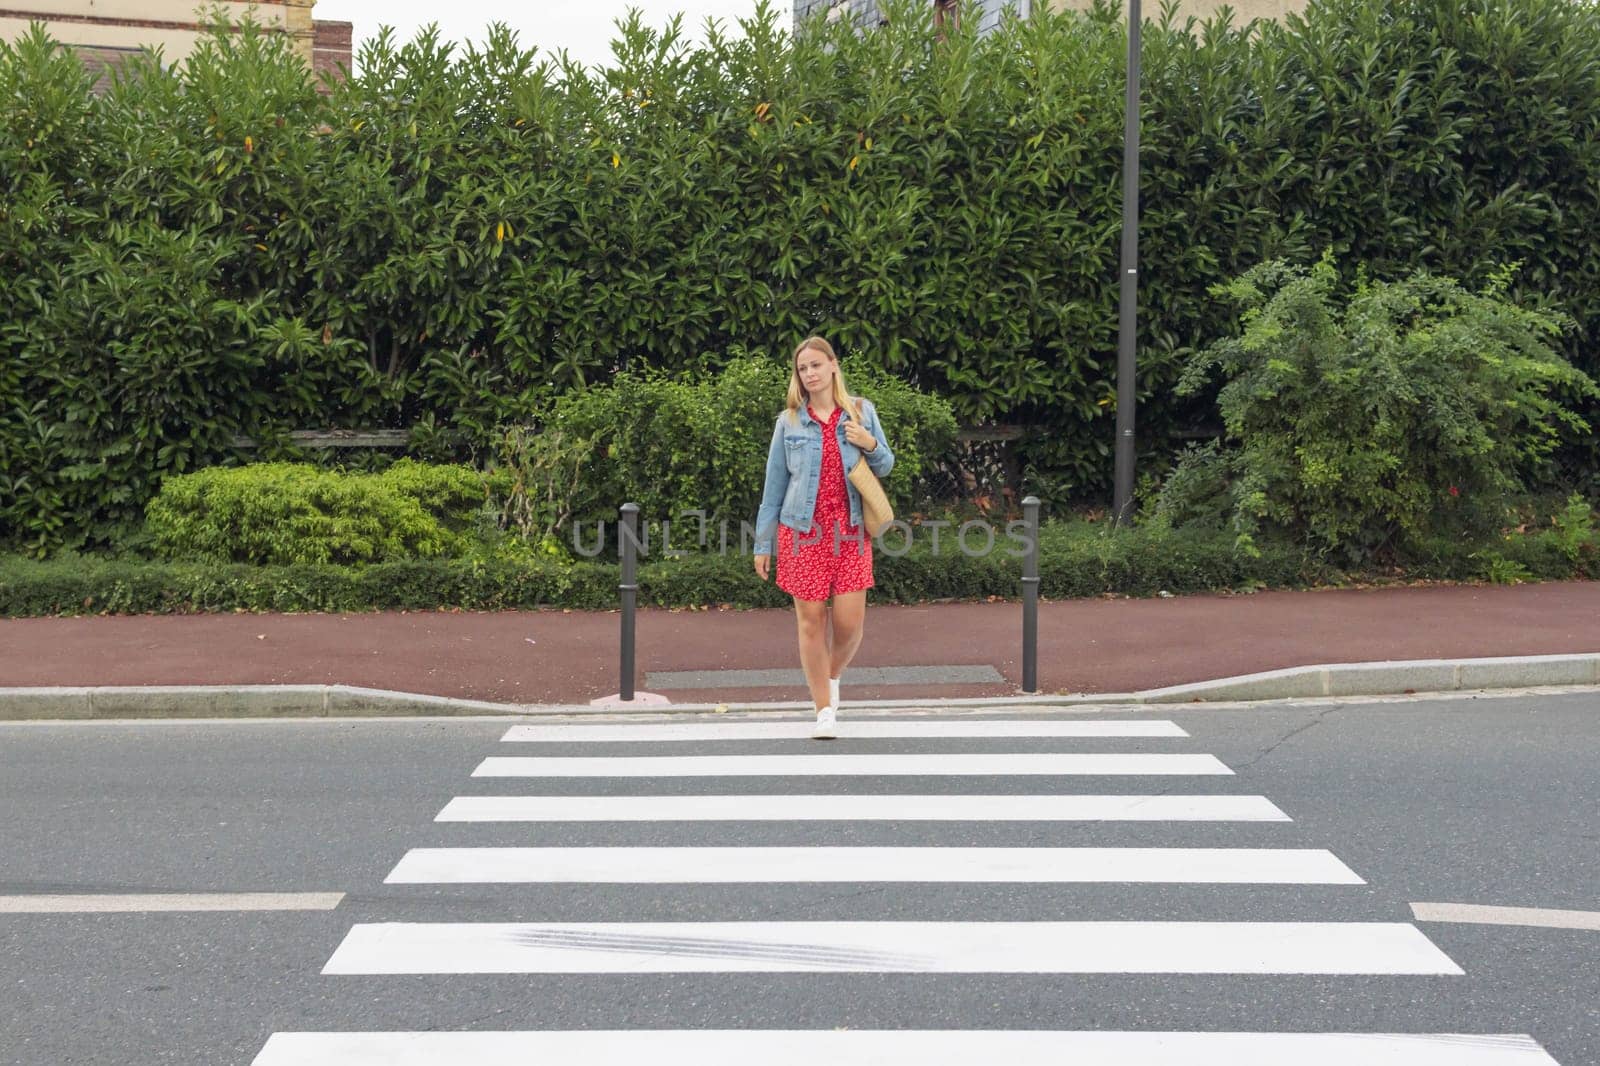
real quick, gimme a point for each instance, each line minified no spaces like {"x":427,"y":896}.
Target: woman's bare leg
{"x":812,"y":619}
{"x":849,"y":619}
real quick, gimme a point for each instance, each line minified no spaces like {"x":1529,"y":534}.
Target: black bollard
{"x":629,"y":534}
{"x":1030,"y":596}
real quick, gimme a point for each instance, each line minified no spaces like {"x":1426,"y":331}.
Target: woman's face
{"x":815,"y":370}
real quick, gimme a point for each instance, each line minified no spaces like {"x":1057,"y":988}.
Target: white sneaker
{"x":825,"y":724}
{"x":833,"y":692}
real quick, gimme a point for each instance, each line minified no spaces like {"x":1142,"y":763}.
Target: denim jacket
{"x":794,"y":469}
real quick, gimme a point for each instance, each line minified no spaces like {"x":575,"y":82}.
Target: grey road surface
{"x":1487,"y":801}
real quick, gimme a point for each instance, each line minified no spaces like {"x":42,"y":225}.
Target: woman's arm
{"x":880,"y":460}
{"x":772,"y":492}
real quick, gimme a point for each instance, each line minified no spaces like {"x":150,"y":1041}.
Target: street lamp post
{"x":1122,"y":477}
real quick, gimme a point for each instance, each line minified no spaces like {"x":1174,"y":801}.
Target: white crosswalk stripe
{"x":809,"y":1047}
{"x":848,"y":729}
{"x":1210,"y":949}
{"x":691,"y":865}
{"x":861,"y":808}
{"x":1064,"y":763}
{"x":889,"y":947}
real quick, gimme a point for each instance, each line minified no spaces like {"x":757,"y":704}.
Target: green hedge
{"x":93,"y":586}
{"x":285,"y":513}
{"x":1077,"y":560}
{"x":448,"y":241}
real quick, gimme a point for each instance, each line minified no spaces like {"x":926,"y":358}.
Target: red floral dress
{"x":835,"y":556}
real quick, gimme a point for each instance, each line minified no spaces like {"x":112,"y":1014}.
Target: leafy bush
{"x":678,"y":444}
{"x":454,"y":496}
{"x":1573,"y":533}
{"x":540,"y":470}
{"x":135,"y":307}
{"x":1356,"y":425}
{"x":287,"y":513}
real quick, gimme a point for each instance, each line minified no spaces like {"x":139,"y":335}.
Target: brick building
{"x":330,"y":46}
{"x":104,"y":31}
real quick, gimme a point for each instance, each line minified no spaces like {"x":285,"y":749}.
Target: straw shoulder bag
{"x":876,"y":514}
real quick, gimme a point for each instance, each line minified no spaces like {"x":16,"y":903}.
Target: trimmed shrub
{"x":91,"y":585}
{"x":285,"y":513}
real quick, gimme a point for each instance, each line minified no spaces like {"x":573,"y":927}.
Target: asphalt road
{"x":1475,"y":801}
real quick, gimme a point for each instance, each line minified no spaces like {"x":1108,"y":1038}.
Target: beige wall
{"x":174,"y":44}
{"x":172,"y":25}
{"x":1243,"y":10}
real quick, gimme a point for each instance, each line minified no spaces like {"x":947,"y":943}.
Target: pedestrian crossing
{"x":706,"y":755}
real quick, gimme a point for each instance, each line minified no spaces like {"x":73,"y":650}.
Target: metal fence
{"x":981,"y":473}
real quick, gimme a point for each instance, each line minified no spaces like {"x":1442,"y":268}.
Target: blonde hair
{"x":797,"y":392}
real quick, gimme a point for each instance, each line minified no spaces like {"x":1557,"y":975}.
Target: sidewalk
{"x":557,"y":657}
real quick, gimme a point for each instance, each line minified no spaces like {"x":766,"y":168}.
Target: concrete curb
{"x":1391,"y":678}
{"x":234,"y":701}
{"x":345,"y":701}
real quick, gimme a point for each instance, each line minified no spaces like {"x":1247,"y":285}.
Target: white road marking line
{"x":192,"y":901}
{"x":845,"y":765}
{"x":749,"y":865}
{"x":889,"y":947}
{"x":859,"y":727}
{"x":861,"y":808}
{"x":909,"y":1047}
{"x":1481,"y":915}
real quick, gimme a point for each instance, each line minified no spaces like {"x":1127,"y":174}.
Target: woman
{"x":821,"y":549}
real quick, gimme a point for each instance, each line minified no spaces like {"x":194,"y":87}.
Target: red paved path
{"x":558,"y":657}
